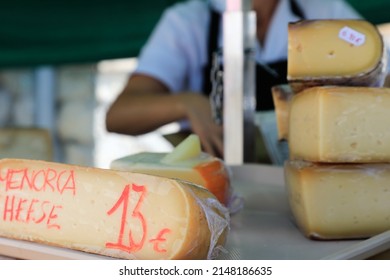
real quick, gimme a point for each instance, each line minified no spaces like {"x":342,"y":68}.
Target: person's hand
{"x":199,"y":115}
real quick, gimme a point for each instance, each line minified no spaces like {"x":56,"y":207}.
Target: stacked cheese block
{"x":120,"y":214}
{"x":25,"y":142}
{"x":338,"y":173}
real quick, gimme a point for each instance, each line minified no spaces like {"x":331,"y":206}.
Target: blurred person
{"x":172,"y":80}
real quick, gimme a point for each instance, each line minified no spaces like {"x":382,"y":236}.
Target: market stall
{"x":264,"y":227}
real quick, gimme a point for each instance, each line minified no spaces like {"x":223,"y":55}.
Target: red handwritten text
{"x":33,"y":211}
{"x":160,"y":239}
{"x":132,"y":245}
{"x":39,"y":180}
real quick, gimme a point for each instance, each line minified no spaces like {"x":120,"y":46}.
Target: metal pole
{"x":45,"y":96}
{"x":239,"y":27}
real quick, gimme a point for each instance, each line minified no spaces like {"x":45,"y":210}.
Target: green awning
{"x":36,"y":32}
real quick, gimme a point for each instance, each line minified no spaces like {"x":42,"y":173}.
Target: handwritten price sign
{"x":35,"y":210}
{"x":47,"y":203}
{"x":132,"y":245}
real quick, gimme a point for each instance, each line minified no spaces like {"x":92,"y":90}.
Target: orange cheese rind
{"x":205,"y":171}
{"x":186,"y":162}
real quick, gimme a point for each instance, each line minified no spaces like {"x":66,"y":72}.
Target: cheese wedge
{"x":26,"y":142}
{"x":345,"y":201}
{"x":188,"y":149}
{"x":185,"y":162}
{"x":282,"y":95}
{"x":340,"y":124}
{"x":117,"y":214}
{"x":335,"y":52}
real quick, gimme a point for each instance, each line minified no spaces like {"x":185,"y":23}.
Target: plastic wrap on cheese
{"x":339,"y":201}
{"x":113,"y":213}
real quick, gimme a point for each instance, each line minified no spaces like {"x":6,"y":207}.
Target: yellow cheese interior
{"x":188,"y":149}
{"x":152,"y":163}
{"x":339,"y":201}
{"x":203,"y":169}
{"x":340,"y":124}
{"x":315,"y":49}
{"x":118,"y":214}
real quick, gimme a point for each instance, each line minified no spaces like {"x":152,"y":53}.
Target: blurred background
{"x":63,"y":62}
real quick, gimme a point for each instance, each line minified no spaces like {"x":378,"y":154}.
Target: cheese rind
{"x":325,"y":52}
{"x":117,"y":214}
{"x":344,"y":201}
{"x":282,"y":95}
{"x":340,"y":124}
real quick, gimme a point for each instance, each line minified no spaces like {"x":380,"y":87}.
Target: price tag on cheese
{"x":352,"y":36}
{"x":114,"y":213}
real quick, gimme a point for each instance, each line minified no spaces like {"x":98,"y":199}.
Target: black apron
{"x":266,"y":76}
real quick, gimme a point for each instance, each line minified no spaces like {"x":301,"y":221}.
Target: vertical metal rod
{"x":239,"y":27}
{"x":249,"y":105}
{"x":233,"y":118}
{"x":44,"y":79}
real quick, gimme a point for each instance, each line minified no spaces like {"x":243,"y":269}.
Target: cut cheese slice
{"x":335,"y":52}
{"x":188,"y":149}
{"x":345,"y":201}
{"x":340,"y":124}
{"x":282,"y":95}
{"x":186,"y":162}
{"x":117,"y":214}
{"x":203,"y":170}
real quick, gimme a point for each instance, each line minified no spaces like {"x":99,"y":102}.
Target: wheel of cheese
{"x":335,"y":52}
{"x":26,"y":142}
{"x":118,"y":214}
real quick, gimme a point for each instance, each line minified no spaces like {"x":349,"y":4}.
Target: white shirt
{"x":176,"y":52}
